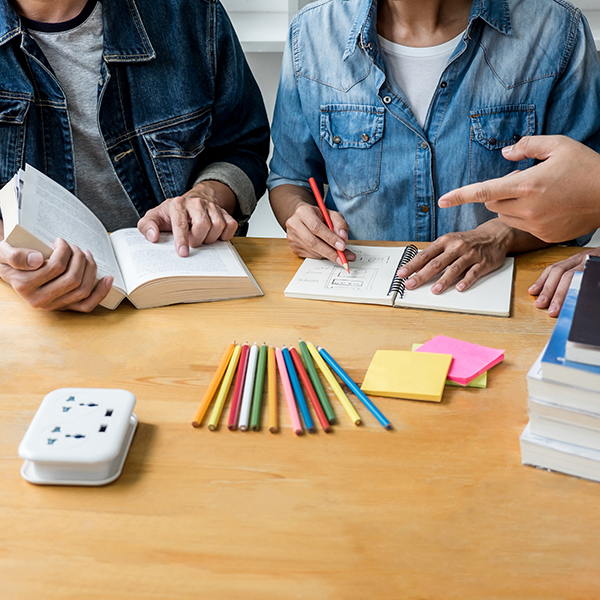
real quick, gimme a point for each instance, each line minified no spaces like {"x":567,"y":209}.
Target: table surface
{"x":440,"y":507}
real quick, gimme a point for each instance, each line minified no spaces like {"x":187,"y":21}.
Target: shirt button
{"x":424,"y":209}
{"x":493,"y":141}
{"x":516,"y":137}
{"x":387,"y":99}
{"x":443,"y":84}
{"x":364,"y":137}
{"x":424,"y":145}
{"x":337,"y":139}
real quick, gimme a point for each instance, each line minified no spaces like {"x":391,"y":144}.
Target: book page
{"x":369,"y":281}
{"x":490,"y":295}
{"x":49,"y":211}
{"x":142,"y":261}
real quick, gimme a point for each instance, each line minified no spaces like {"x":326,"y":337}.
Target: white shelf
{"x":593,"y":17}
{"x":261,"y":31}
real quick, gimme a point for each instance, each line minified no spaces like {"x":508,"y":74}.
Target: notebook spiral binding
{"x":397,"y":285}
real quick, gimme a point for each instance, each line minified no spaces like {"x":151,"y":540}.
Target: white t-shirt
{"x":418,"y":70}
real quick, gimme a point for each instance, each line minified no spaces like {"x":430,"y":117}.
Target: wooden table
{"x":438,"y":508}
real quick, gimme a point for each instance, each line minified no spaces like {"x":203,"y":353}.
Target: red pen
{"x":317,"y":194}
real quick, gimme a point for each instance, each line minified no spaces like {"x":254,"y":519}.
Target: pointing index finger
{"x":503,"y":188}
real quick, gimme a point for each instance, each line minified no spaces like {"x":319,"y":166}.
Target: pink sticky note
{"x":469,"y":360}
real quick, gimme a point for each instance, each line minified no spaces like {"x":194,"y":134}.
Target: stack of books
{"x":563,"y":433}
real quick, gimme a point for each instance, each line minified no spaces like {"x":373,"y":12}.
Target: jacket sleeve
{"x":296,"y":154}
{"x":239,"y":143}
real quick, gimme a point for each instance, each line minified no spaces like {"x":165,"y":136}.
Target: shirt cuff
{"x":238,"y":182}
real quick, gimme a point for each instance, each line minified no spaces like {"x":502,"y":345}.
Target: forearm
{"x":514,"y":241}
{"x":285,"y":200}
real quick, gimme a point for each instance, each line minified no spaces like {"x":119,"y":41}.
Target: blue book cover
{"x":554,"y":365}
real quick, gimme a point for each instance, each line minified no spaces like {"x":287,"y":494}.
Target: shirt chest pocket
{"x":493,"y":129}
{"x":12,"y":135}
{"x":174,"y":147}
{"x":351,"y":143}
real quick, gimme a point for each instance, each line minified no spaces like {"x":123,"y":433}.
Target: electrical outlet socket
{"x":79,"y":436}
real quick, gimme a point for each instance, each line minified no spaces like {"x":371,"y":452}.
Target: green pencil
{"x":314,"y":377}
{"x":258,"y":388}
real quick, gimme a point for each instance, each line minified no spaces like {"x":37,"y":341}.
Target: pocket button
{"x":337,"y":139}
{"x":364,"y":137}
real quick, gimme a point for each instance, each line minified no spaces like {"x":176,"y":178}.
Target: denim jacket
{"x":521,"y":68}
{"x":175,"y":96}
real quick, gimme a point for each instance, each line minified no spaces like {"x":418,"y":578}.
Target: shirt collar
{"x":495,"y":13}
{"x":125,"y":38}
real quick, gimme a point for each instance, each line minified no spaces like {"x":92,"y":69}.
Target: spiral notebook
{"x":373,"y":280}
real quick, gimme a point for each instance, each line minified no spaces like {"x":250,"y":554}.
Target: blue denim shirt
{"x":175,"y":96}
{"x":521,"y":68}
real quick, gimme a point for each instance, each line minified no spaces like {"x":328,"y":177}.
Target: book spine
{"x":397,"y":285}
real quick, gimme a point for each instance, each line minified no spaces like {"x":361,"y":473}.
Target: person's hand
{"x":66,"y":281}
{"x":200,"y":216}
{"x":555,"y":200}
{"x":552,"y":285}
{"x":309,"y":236}
{"x":464,"y":256}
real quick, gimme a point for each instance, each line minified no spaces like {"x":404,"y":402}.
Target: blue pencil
{"x":308,"y":422}
{"x":354,"y":388}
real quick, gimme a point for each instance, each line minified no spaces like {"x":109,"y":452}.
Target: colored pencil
{"x":224,"y":389}
{"x":234,"y":411}
{"x":248,"y":389}
{"x":310,"y":390}
{"x":323,"y":209}
{"x":212,"y":388}
{"x":289,"y":363}
{"x":339,"y":392}
{"x":272,"y":390}
{"x":354,"y":388}
{"x":288,"y":393}
{"x":318,"y":386}
{"x":258,"y":388}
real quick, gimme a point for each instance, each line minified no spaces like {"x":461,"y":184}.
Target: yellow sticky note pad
{"x":478,"y":382}
{"x":410,"y":375}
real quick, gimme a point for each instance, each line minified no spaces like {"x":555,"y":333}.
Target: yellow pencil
{"x":335,"y":386}
{"x":224,"y":389}
{"x":272,"y":390}
{"x":212,"y":388}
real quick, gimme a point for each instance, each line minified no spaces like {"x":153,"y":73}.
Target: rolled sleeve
{"x":238,"y":182}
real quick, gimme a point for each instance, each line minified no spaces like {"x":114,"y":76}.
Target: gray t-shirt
{"x":75,"y":56}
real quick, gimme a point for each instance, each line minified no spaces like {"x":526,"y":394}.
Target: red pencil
{"x":317,"y":194}
{"x":234,"y":411}
{"x":310,"y":390}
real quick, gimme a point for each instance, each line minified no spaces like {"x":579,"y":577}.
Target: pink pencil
{"x":234,"y":411}
{"x":288,"y":392}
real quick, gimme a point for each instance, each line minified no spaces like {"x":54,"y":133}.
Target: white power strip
{"x":79,"y":436}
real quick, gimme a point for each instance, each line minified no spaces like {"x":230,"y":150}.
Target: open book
{"x":373,"y":280}
{"x":36,"y":210}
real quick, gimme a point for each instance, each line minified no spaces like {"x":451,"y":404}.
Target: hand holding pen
{"x":307,"y":232}
{"x":325,"y":213}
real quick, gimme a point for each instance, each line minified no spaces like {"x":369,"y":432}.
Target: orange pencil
{"x":310,"y":390}
{"x":212,"y":388}
{"x":322,"y":207}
